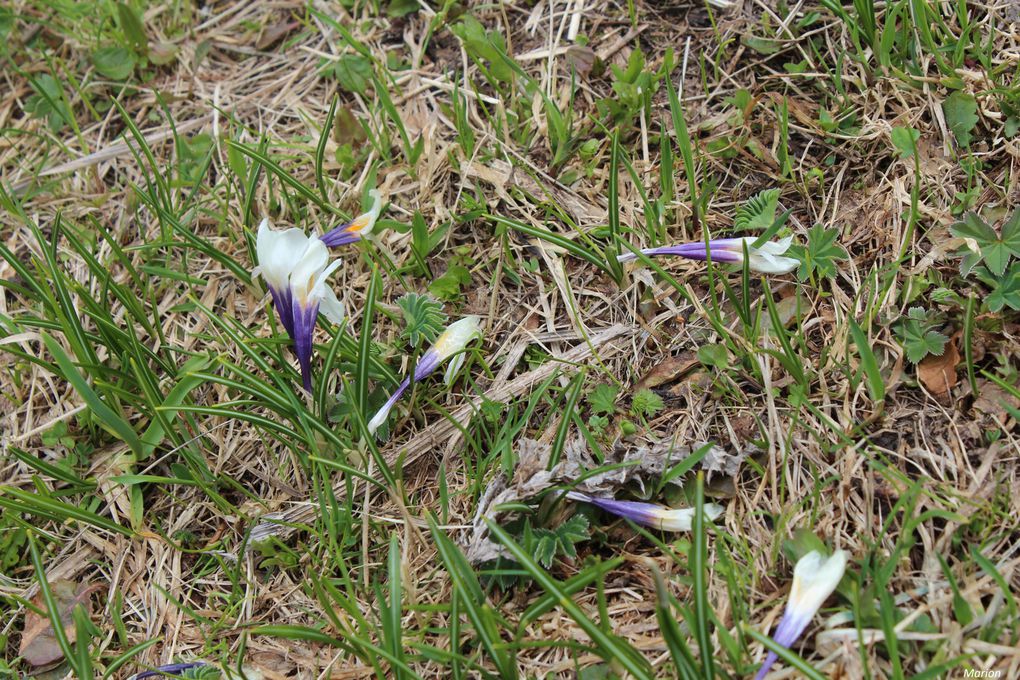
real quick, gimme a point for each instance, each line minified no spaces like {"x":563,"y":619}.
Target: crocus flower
{"x":814,"y":579}
{"x":766,"y":258}
{"x":295,"y":268}
{"x":450,"y":343}
{"x":309,"y":296}
{"x":648,"y":514}
{"x":278,"y":253}
{"x":358,"y":228}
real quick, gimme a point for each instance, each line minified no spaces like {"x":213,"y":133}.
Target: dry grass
{"x":913,"y":487}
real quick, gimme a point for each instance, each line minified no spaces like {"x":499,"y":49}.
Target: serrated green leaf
{"x":820,"y":254}
{"x":423,"y":318}
{"x":646,"y":403}
{"x":448,"y":286}
{"x":757,"y":212}
{"x":1006,"y":293}
{"x":603,"y":399}
{"x":994,"y":250}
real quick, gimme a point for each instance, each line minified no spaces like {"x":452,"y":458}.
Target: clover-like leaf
{"x":992,"y":248}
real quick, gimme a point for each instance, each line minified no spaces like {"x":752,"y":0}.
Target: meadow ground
{"x":162,"y":467}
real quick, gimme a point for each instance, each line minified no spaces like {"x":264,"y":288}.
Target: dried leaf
{"x":347,"y":129}
{"x":938,"y":373}
{"x":582,"y":58}
{"x":39,"y":645}
{"x":667,"y":371}
{"x":992,"y":401}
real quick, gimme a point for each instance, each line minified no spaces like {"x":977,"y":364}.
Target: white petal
{"x":308,"y":268}
{"x":772,"y":264}
{"x":330,"y":306}
{"x":814,"y":579}
{"x":453,"y":367}
{"x":456,"y":337}
{"x":278,"y":253}
{"x":776,"y":247}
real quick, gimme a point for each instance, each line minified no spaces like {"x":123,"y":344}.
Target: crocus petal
{"x":775,"y":247}
{"x":456,"y":337}
{"x":772,"y":264}
{"x":169,"y":669}
{"x":282,"y":302}
{"x":278,"y":253}
{"x":308,"y":269}
{"x":380,"y":416}
{"x":304,"y":328}
{"x":814,"y":580}
{"x":330,"y":307}
{"x":358,"y":228}
{"x":649,"y":514}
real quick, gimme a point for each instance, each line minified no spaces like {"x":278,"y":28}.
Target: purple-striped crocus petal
{"x":648,"y":514}
{"x":358,"y":228}
{"x":169,"y":669}
{"x":814,"y":579}
{"x":692,"y":251}
{"x":283,"y":303}
{"x":304,"y":328}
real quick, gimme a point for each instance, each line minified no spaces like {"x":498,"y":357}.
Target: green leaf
{"x":757,"y":212}
{"x":48,"y":102}
{"x":917,"y":335}
{"x":905,"y":140}
{"x":820,"y":255}
{"x":423,"y":317}
{"x":995,"y":250}
{"x":353,"y":72}
{"x":134,"y":30}
{"x":448,"y":286}
{"x":603,"y":399}
{"x":112,"y":421}
{"x":401,"y":8}
{"x":1006,"y":293}
{"x":646,"y":403}
{"x":115,"y":63}
{"x":960,"y":110}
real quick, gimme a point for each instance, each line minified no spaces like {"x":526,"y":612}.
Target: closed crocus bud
{"x":648,"y":514}
{"x":310,"y":296}
{"x":765,"y":259}
{"x":814,"y":580}
{"x":451,"y":343}
{"x":358,"y":228}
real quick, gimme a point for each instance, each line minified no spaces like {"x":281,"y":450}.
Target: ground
{"x":162,"y":466}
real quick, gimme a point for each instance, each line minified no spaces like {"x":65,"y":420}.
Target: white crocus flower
{"x":278,"y":253}
{"x":814,"y":579}
{"x":450,"y":343}
{"x":295,"y":268}
{"x":766,"y":258}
